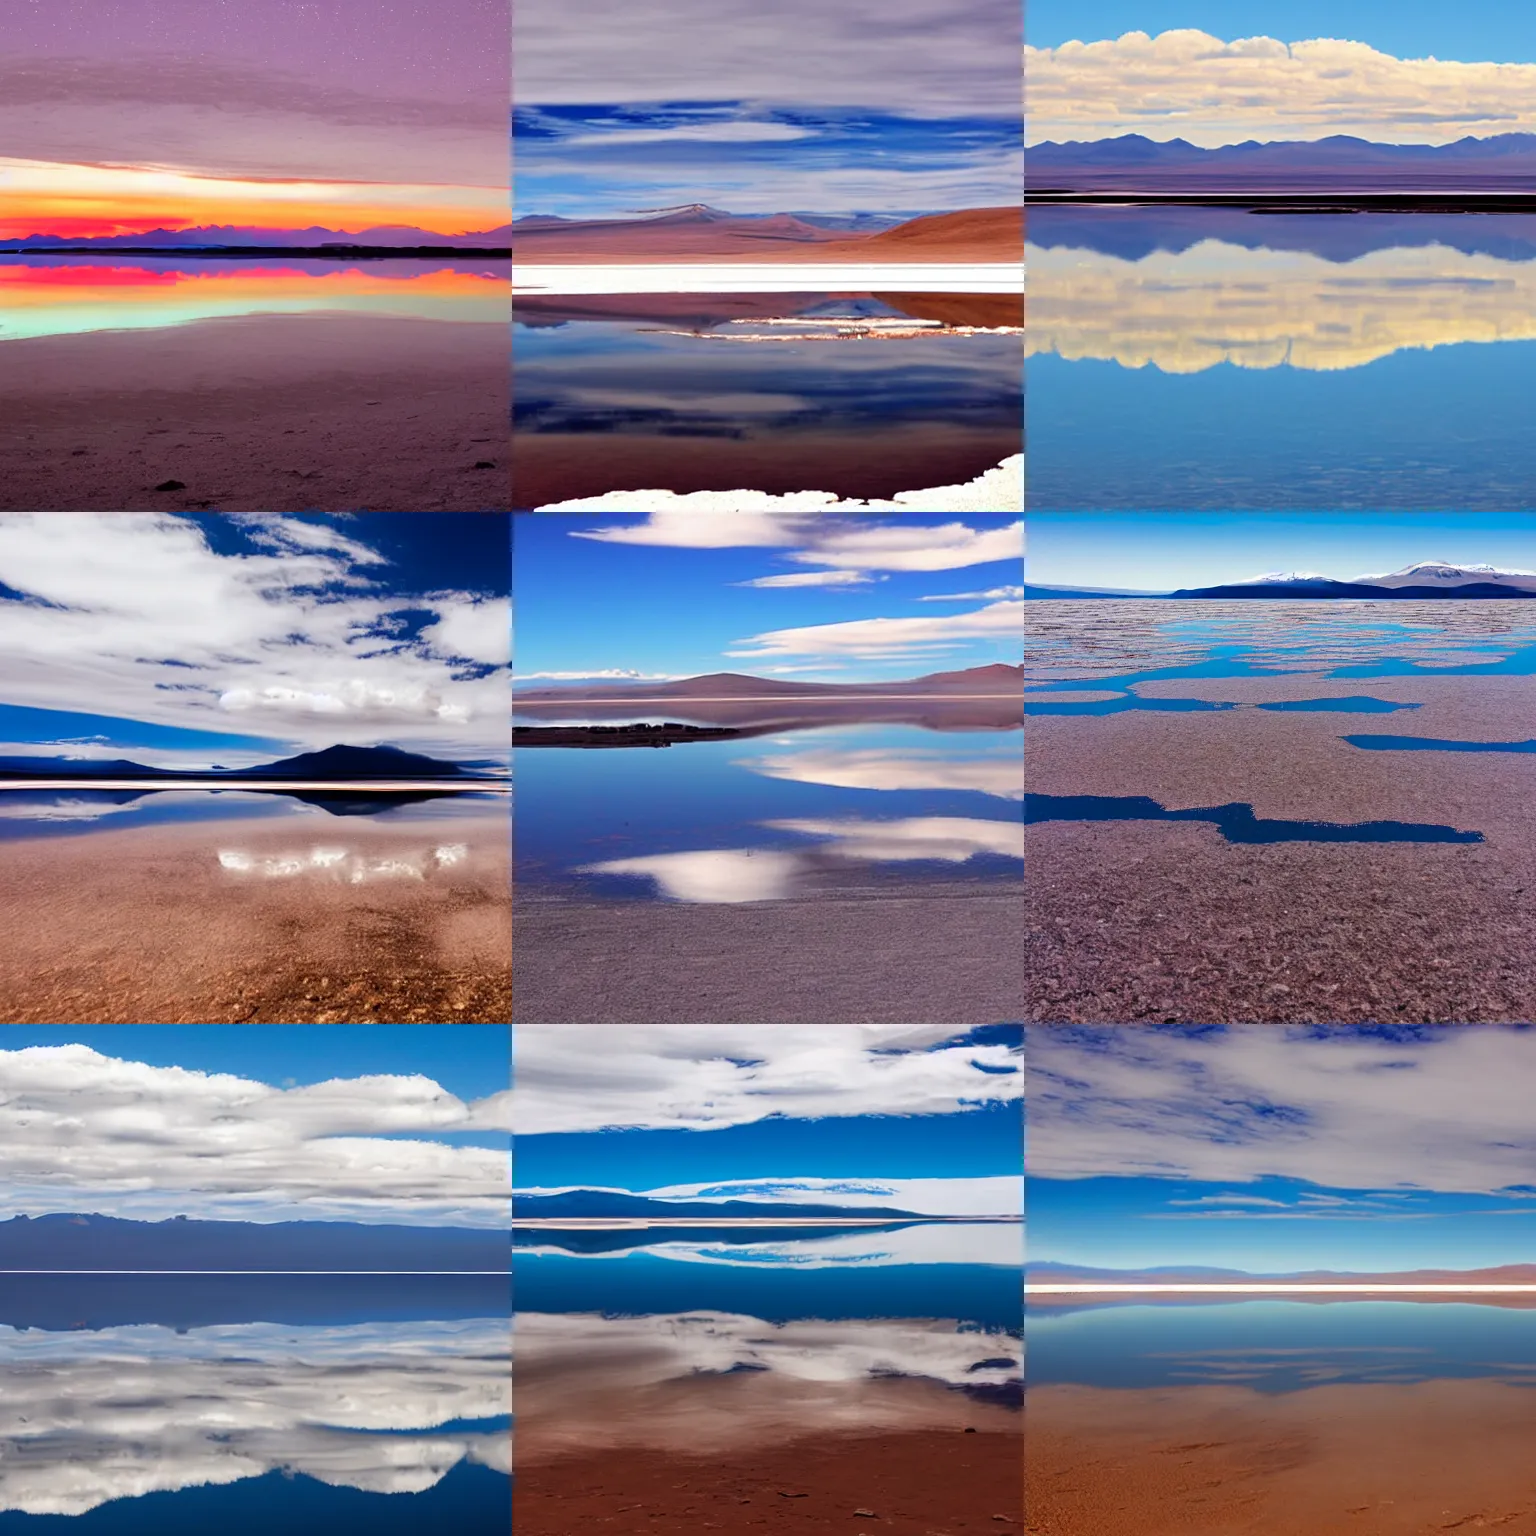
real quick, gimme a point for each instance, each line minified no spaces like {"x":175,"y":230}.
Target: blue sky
{"x":192,"y":638}
{"x":371,"y":1123}
{"x":1476,"y":29}
{"x":1154,"y":551}
{"x":900,"y":106}
{"x":926,"y":1111}
{"x":607,"y":161}
{"x":893,"y":597}
{"x":1273,"y":1148}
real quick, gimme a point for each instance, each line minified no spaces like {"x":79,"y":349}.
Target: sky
{"x":827,"y":598}
{"x":188,"y":639}
{"x":903,"y":107}
{"x":1276,"y":1149}
{"x":1216,"y":72}
{"x":121,"y":116}
{"x":309,"y":1122}
{"x":925,"y":1117}
{"x":1159,"y":551}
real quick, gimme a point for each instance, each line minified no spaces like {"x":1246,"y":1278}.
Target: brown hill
{"x":996,"y":678}
{"x":706,"y":234}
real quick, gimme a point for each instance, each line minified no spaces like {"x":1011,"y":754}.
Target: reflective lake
{"x":265,"y":384}
{"x":196,"y":1404}
{"x":859,"y":395}
{"x":1226,"y":358}
{"x":785,"y":814}
{"x":1281,"y":1417}
{"x":206,"y":906}
{"x":792,"y":1382}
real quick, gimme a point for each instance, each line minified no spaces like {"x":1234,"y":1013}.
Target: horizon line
{"x":1048,"y":1289}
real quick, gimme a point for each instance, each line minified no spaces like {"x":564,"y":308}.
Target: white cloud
{"x":810,"y":579}
{"x":600,"y":674}
{"x":906,"y":546}
{"x":80,"y":1130}
{"x":877,"y":637}
{"x":581,"y":1077}
{"x":1187,"y":84}
{"x":1448,"y":1109}
{"x":729,"y":131}
{"x":876,"y":769}
{"x":339,"y":863}
{"x":477,"y":629}
{"x":992,"y":594}
{"x":921,"y":57}
{"x":114,"y":1413}
{"x":137,"y":615}
{"x":714,"y":875}
{"x":999,"y":1195}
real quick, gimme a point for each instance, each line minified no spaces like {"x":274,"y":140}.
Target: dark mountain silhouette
{"x":216,"y":236}
{"x":998,"y":677}
{"x":1502,"y":163}
{"x":622,"y":1239}
{"x":599,"y":1204}
{"x":72,"y":1240}
{"x":1352,"y":589}
{"x":339,"y":763}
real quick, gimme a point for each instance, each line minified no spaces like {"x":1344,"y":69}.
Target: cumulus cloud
{"x":80,"y":1130}
{"x":114,"y":1413}
{"x":579,"y":1077}
{"x":141,"y":615}
{"x":1187,"y":84}
{"x":1438,"y":1109}
{"x":907,"y":546}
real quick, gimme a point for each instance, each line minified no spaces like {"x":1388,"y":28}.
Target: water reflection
{"x":120,"y":1412}
{"x":651,"y":1384}
{"x":343,"y":863}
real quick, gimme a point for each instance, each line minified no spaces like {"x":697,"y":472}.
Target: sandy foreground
{"x":1134,"y":921}
{"x":939,"y":1482}
{"x":1368,"y":1460}
{"x":870,"y":956}
{"x":274,"y":413}
{"x":274,"y":922}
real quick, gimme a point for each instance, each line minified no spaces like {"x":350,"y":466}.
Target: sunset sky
{"x":121,"y":116}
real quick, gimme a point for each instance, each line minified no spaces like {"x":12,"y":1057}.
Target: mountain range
{"x":73,"y":1240}
{"x":998,"y":677}
{"x":698,"y":232}
{"x":1503,"y":163}
{"x":341,"y":763}
{"x":222,"y":236}
{"x":1424,"y":579}
{"x":613,"y":1204}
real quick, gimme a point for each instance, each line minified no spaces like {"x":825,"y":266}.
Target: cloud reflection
{"x":342,"y":864}
{"x":86,"y":1418}
{"x":1000,"y":776}
{"x":953,"y":839}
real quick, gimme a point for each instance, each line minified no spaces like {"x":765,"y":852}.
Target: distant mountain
{"x":999,"y":677}
{"x":1196,"y":1274}
{"x":72,"y":1240}
{"x":339,"y":763}
{"x":599,"y":1204}
{"x":1424,"y":579}
{"x":215,"y":235}
{"x":1503,"y":163}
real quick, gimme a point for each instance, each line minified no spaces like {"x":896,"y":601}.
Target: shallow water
{"x":769,"y":817}
{"x":200,"y":1404}
{"x":1214,"y":358}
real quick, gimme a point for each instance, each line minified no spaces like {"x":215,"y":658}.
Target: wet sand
{"x":864,"y":956}
{"x":147,"y":925}
{"x":1366,"y":1460}
{"x":275,"y":413}
{"x":550,"y":467}
{"x":1137,"y":921}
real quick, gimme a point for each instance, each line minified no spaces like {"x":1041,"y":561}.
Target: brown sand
{"x":1145,"y":921}
{"x":917,"y":1483}
{"x":970,"y":235}
{"x":549,"y":467}
{"x":144,"y":925}
{"x":1366,"y":1460}
{"x":896,"y":954}
{"x":275,"y":413}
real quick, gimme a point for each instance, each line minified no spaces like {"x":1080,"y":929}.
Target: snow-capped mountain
{"x":1270,"y":577}
{"x":1440,"y":573}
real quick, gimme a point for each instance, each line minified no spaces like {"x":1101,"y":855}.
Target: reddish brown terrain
{"x":704,"y":234}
